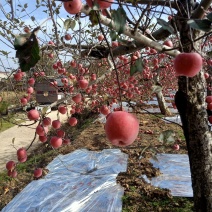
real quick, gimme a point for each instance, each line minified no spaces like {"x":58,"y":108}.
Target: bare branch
{"x":138,"y":36}
{"x":155,"y":3}
{"x":200,"y":11}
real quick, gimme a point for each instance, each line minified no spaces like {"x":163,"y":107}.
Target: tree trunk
{"x":190,"y":102}
{"x":162,"y":104}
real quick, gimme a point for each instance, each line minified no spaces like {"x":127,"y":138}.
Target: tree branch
{"x":200,"y":11}
{"x":155,"y":3}
{"x":138,"y":36}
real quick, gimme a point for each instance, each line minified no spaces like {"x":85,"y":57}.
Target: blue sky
{"x":39,"y":16}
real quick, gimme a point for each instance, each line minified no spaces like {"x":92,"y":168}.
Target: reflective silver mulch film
{"x":81,"y":181}
{"x":175,"y":175}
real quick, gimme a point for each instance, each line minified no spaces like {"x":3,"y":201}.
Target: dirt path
{"x":23,"y":137}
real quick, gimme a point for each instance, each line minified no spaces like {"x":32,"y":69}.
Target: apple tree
{"x":141,"y":45}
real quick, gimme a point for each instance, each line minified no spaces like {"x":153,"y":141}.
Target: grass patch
{"x":8,"y":122}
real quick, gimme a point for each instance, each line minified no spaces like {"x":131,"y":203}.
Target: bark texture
{"x":190,"y":101}
{"x":162,"y":104}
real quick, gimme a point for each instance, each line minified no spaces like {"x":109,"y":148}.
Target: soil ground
{"x":139,"y":196}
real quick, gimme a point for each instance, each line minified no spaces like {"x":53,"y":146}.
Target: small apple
{"x":72,"y":121}
{"x":12,"y":173}
{"x":43,"y":139}
{"x":100,"y":37}
{"x":168,"y":43}
{"x":31,"y":81}
{"x":56,"y":142}
{"x":77,"y":98}
{"x":47,"y":121}
{"x":41,"y":130}
{"x":83,"y":84}
{"x":33,"y":114}
{"x":24,"y":101}
{"x":67,"y":37}
{"x":62,"y":109}
{"x":176,"y":147}
{"x":38,"y":172}
{"x":21,"y":153}
{"x":56,"y":124}
{"x":10,"y":165}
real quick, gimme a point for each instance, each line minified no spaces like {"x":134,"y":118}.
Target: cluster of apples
{"x":18,"y":76}
{"x":75,"y":6}
{"x":43,"y":128}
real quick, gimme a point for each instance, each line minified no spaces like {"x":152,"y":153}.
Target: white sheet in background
{"x":81,"y":181}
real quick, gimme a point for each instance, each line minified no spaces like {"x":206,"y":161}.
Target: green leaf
{"x":119,"y":18}
{"x":4,"y":52}
{"x":156,"y":88}
{"x":136,"y":67}
{"x":44,"y":110}
{"x":32,"y":18}
{"x":93,"y":18}
{"x":167,"y":136}
{"x":25,"y":5}
{"x":28,"y":53}
{"x":204,"y":25}
{"x":165,"y":25}
{"x":38,"y":1}
{"x":69,"y":23}
{"x":209,"y":16}
{"x":113,"y":35}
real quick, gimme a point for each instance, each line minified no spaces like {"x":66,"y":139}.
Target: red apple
{"x":43,"y":139}
{"x":176,"y":147}
{"x":26,"y":29}
{"x":56,"y":124}
{"x":168,"y":43}
{"x":73,"y":64}
{"x":38,"y":172}
{"x":47,"y":121}
{"x":104,"y":110}
{"x":10,"y":165}
{"x":18,"y":76}
{"x":41,"y":130}
{"x":121,"y":128}
{"x":21,"y":153}
{"x":100,"y":37}
{"x":56,"y":142}
{"x":72,"y":121}
{"x":62,"y":109}
{"x":206,"y":75}
{"x":208,"y":99}
{"x":33,"y":115}
{"x":77,"y":98}
{"x":101,"y":3}
{"x":67,"y":37}
{"x":12,"y":173}
{"x":210,"y":119}
{"x":30,"y":90}
{"x":31,"y":81}
{"x":22,"y":160}
{"x":73,"y":7}
{"x":24,"y":101}
{"x":60,"y":133}
{"x":187,"y":64}
{"x":83,"y":84}
{"x":66,"y":141}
